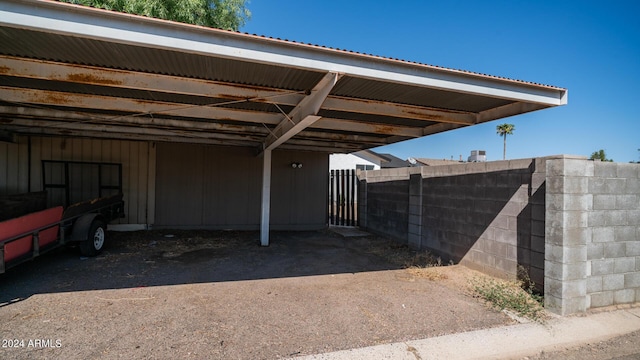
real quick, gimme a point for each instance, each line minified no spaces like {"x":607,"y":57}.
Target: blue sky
{"x":592,"y":48}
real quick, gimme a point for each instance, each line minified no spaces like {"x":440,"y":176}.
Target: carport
{"x":73,"y":71}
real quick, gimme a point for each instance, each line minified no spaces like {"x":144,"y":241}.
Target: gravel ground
{"x":219,"y":295}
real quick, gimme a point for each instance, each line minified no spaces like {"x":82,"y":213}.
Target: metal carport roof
{"x":76,"y":71}
{"x":72,"y":70}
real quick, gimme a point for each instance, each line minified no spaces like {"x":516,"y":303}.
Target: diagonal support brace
{"x":303,"y":115}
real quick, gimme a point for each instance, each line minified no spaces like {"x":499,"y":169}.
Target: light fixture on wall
{"x":296,"y":165}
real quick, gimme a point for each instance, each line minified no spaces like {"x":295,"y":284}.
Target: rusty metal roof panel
{"x":372,"y":118}
{"x":55,"y":47}
{"x":53,"y":50}
{"x":275,"y":41}
{"x":412,"y":95}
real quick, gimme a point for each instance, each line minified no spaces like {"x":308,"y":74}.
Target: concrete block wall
{"x":383,"y":201}
{"x":388,"y":208}
{"x":593,"y":235}
{"x":488,"y":216}
{"x":480,"y":215}
{"x":574,"y":224}
{"x":414,"y":220}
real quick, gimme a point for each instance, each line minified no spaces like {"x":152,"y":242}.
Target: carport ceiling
{"x":77,"y":71}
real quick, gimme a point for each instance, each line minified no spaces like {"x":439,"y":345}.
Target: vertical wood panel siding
{"x":220,"y":187}
{"x":179,"y":184}
{"x":133,"y":155}
{"x":299,"y":196}
{"x":13,"y":168}
{"x":231,"y":189}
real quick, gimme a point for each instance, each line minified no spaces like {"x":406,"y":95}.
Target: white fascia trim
{"x":96,"y":24}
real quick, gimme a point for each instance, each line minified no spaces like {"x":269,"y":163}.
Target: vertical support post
{"x":151,"y":186}
{"x":266,"y":197}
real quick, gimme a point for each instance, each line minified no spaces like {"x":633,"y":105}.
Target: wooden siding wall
{"x":198,"y":186}
{"x":134,"y":156}
{"x":299,"y":196}
{"x":14,"y":168}
{"x":219,"y":187}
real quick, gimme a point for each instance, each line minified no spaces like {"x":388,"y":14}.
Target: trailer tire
{"x":96,"y":237}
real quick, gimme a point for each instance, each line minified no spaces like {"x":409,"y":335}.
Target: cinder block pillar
{"x":415,"y":211}
{"x":567,"y":235}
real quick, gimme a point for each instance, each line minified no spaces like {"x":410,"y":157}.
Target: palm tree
{"x":504,"y":130}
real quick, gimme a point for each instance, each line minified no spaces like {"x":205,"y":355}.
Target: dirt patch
{"x":218,"y":295}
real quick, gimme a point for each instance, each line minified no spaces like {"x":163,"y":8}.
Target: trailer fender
{"x":80,"y":229}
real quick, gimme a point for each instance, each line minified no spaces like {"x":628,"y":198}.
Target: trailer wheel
{"x":95,"y":239}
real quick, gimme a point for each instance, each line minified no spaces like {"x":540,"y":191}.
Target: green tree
{"x":504,"y":130}
{"x":222,"y":14}
{"x":599,"y":155}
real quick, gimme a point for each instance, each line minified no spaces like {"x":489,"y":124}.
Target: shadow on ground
{"x":156,"y":258}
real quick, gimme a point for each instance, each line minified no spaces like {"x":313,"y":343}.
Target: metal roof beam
{"x":127,"y":105}
{"x":364,"y":127}
{"x":124,"y":136}
{"x":303,"y":115}
{"x":47,"y":70}
{"x":58,"y":128}
{"x":313,"y":145}
{"x":80,"y":119}
{"x":508,"y":110}
{"x":126,"y":79}
{"x":116,"y":129}
{"x":325,"y":146}
{"x":61,"y":119}
{"x":44,"y":97}
{"x":355,"y":138}
{"x":374,"y":107}
{"x":438,"y":128}
{"x":135,"y":106}
{"x":328,"y":148}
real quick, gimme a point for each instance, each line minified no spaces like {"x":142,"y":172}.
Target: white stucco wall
{"x":348,"y":161}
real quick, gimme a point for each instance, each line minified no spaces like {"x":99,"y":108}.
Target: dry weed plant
{"x":518,"y":296}
{"x":420,"y":264}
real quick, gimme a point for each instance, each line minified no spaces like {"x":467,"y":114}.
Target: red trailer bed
{"x":27,"y":223}
{"x":28,"y":228}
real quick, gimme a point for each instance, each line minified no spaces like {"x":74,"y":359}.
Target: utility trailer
{"x":28,"y":228}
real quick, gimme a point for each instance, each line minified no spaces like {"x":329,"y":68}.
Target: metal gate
{"x":343,"y":198}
